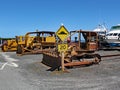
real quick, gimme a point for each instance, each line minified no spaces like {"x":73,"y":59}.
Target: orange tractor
{"x":81,"y":51}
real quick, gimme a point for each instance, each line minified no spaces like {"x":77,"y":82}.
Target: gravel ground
{"x":31,"y":74}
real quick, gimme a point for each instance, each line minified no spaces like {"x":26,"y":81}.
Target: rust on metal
{"x":78,"y":63}
{"x":110,"y":55}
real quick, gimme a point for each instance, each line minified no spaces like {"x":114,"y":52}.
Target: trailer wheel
{"x":19,"y":49}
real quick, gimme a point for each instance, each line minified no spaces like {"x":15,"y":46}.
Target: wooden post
{"x":62,"y":61}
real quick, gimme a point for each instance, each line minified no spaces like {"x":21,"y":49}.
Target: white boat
{"x":101,"y":30}
{"x":113,"y":36}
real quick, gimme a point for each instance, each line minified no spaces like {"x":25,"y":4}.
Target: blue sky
{"x":18,"y":17}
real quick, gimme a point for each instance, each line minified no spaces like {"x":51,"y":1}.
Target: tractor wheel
{"x":19,"y":49}
{"x":4,"y":48}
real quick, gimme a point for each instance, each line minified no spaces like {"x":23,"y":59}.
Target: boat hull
{"x":113,"y":42}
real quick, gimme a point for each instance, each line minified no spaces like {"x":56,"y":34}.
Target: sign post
{"x":62,"y":33}
{"x":62,"y":48}
{"x":62,"y":61}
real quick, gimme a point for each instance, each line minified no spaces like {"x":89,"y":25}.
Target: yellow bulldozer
{"x":9,"y":45}
{"x":35,"y":42}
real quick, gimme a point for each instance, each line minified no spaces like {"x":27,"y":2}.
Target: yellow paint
{"x":62,"y":47}
{"x":62,"y":33}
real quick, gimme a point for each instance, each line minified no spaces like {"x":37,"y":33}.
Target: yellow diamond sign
{"x":62,"y":33}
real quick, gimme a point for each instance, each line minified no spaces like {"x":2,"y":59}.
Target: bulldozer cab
{"x":47,"y":36}
{"x":84,"y":40}
{"x":41,"y":38}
